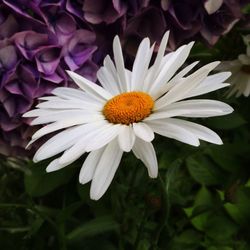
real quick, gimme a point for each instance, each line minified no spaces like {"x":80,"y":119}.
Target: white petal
{"x":180,"y":90}
{"x":146,"y":153}
{"x":173,"y":131}
{"x":119,"y":62}
{"x":211,"y":83}
{"x":58,"y":125}
{"x":212,"y":6}
{"x":128,"y":75}
{"x":200,"y":131}
{"x":38,"y":112}
{"x":141,"y":64}
{"x":89,"y":87}
{"x":90,"y":130}
{"x":107,"y":81}
{"x":54,"y":166}
{"x":159,"y":91}
{"x":75,"y":94}
{"x":143,"y":131}
{"x":59,"y":143}
{"x":244,"y":59}
{"x":109,"y":65}
{"x":105,"y":170}
{"x":97,"y":137}
{"x":126,"y":138}
{"x":89,"y":116}
{"x":183,"y":72}
{"x":159,"y":57}
{"x":89,"y":166}
{"x":171,"y":66}
{"x":103,"y":138}
{"x":192,"y":108}
{"x":50,"y":98}
{"x":70,"y":104}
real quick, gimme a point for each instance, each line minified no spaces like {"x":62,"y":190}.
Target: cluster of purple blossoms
{"x":40,"y":39}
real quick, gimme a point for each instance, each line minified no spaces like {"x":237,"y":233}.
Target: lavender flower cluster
{"x":40,"y":39}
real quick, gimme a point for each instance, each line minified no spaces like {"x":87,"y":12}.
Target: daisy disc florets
{"x":124,"y":113}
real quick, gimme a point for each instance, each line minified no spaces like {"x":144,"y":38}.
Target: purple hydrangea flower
{"x":39,"y":40}
{"x":107,"y":11}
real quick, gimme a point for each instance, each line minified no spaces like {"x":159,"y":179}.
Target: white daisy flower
{"x":126,"y":111}
{"x":240,"y":68}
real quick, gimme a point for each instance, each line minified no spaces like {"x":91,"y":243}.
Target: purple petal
{"x":29,"y":42}
{"x":105,"y":11}
{"x":79,"y":49}
{"x":8,"y":58}
{"x":65,"y":27}
{"x":88,"y":70}
{"x":8,"y":25}
{"x":48,"y":59}
{"x":75,"y":8}
{"x":55,"y":78}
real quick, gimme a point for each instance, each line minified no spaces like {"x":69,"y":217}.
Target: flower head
{"x":240,"y":68}
{"x":126,"y":111}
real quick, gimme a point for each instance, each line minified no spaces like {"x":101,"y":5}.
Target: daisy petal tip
{"x":33,"y":123}
{"x":127,"y":150}
{"x":191,"y":44}
{"x":35,"y":160}
{"x":49,"y":169}
{"x":228,"y":110}
{"x":167,"y":33}
{"x":153,"y":175}
{"x":83,"y":181}
{"x":29,"y":144}
{"x":55,"y":91}
{"x":229,"y":73}
{"x":211,"y":66}
{"x":68,"y":71}
{"x":116,"y":40}
{"x":71,"y":74}
{"x":197,"y":144}
{"x":219,"y":142}
{"x":95,"y":196}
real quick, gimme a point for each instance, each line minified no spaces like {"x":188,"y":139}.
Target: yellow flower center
{"x":128,"y":108}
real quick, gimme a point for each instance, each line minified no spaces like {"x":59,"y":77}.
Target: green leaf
{"x":227,"y":122}
{"x":143,"y":245}
{"x":67,"y":212}
{"x":240,"y":210}
{"x":93,"y":227}
{"x":203,"y":197}
{"x":39,"y":183}
{"x":235,"y":213}
{"x":188,"y":237}
{"x":246,"y":9}
{"x":35,"y":226}
{"x":225,"y":157}
{"x":219,"y":227}
{"x":200,"y":221}
{"x":204,"y":172}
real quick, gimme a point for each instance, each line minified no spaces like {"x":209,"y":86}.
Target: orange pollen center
{"x":128,"y":108}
